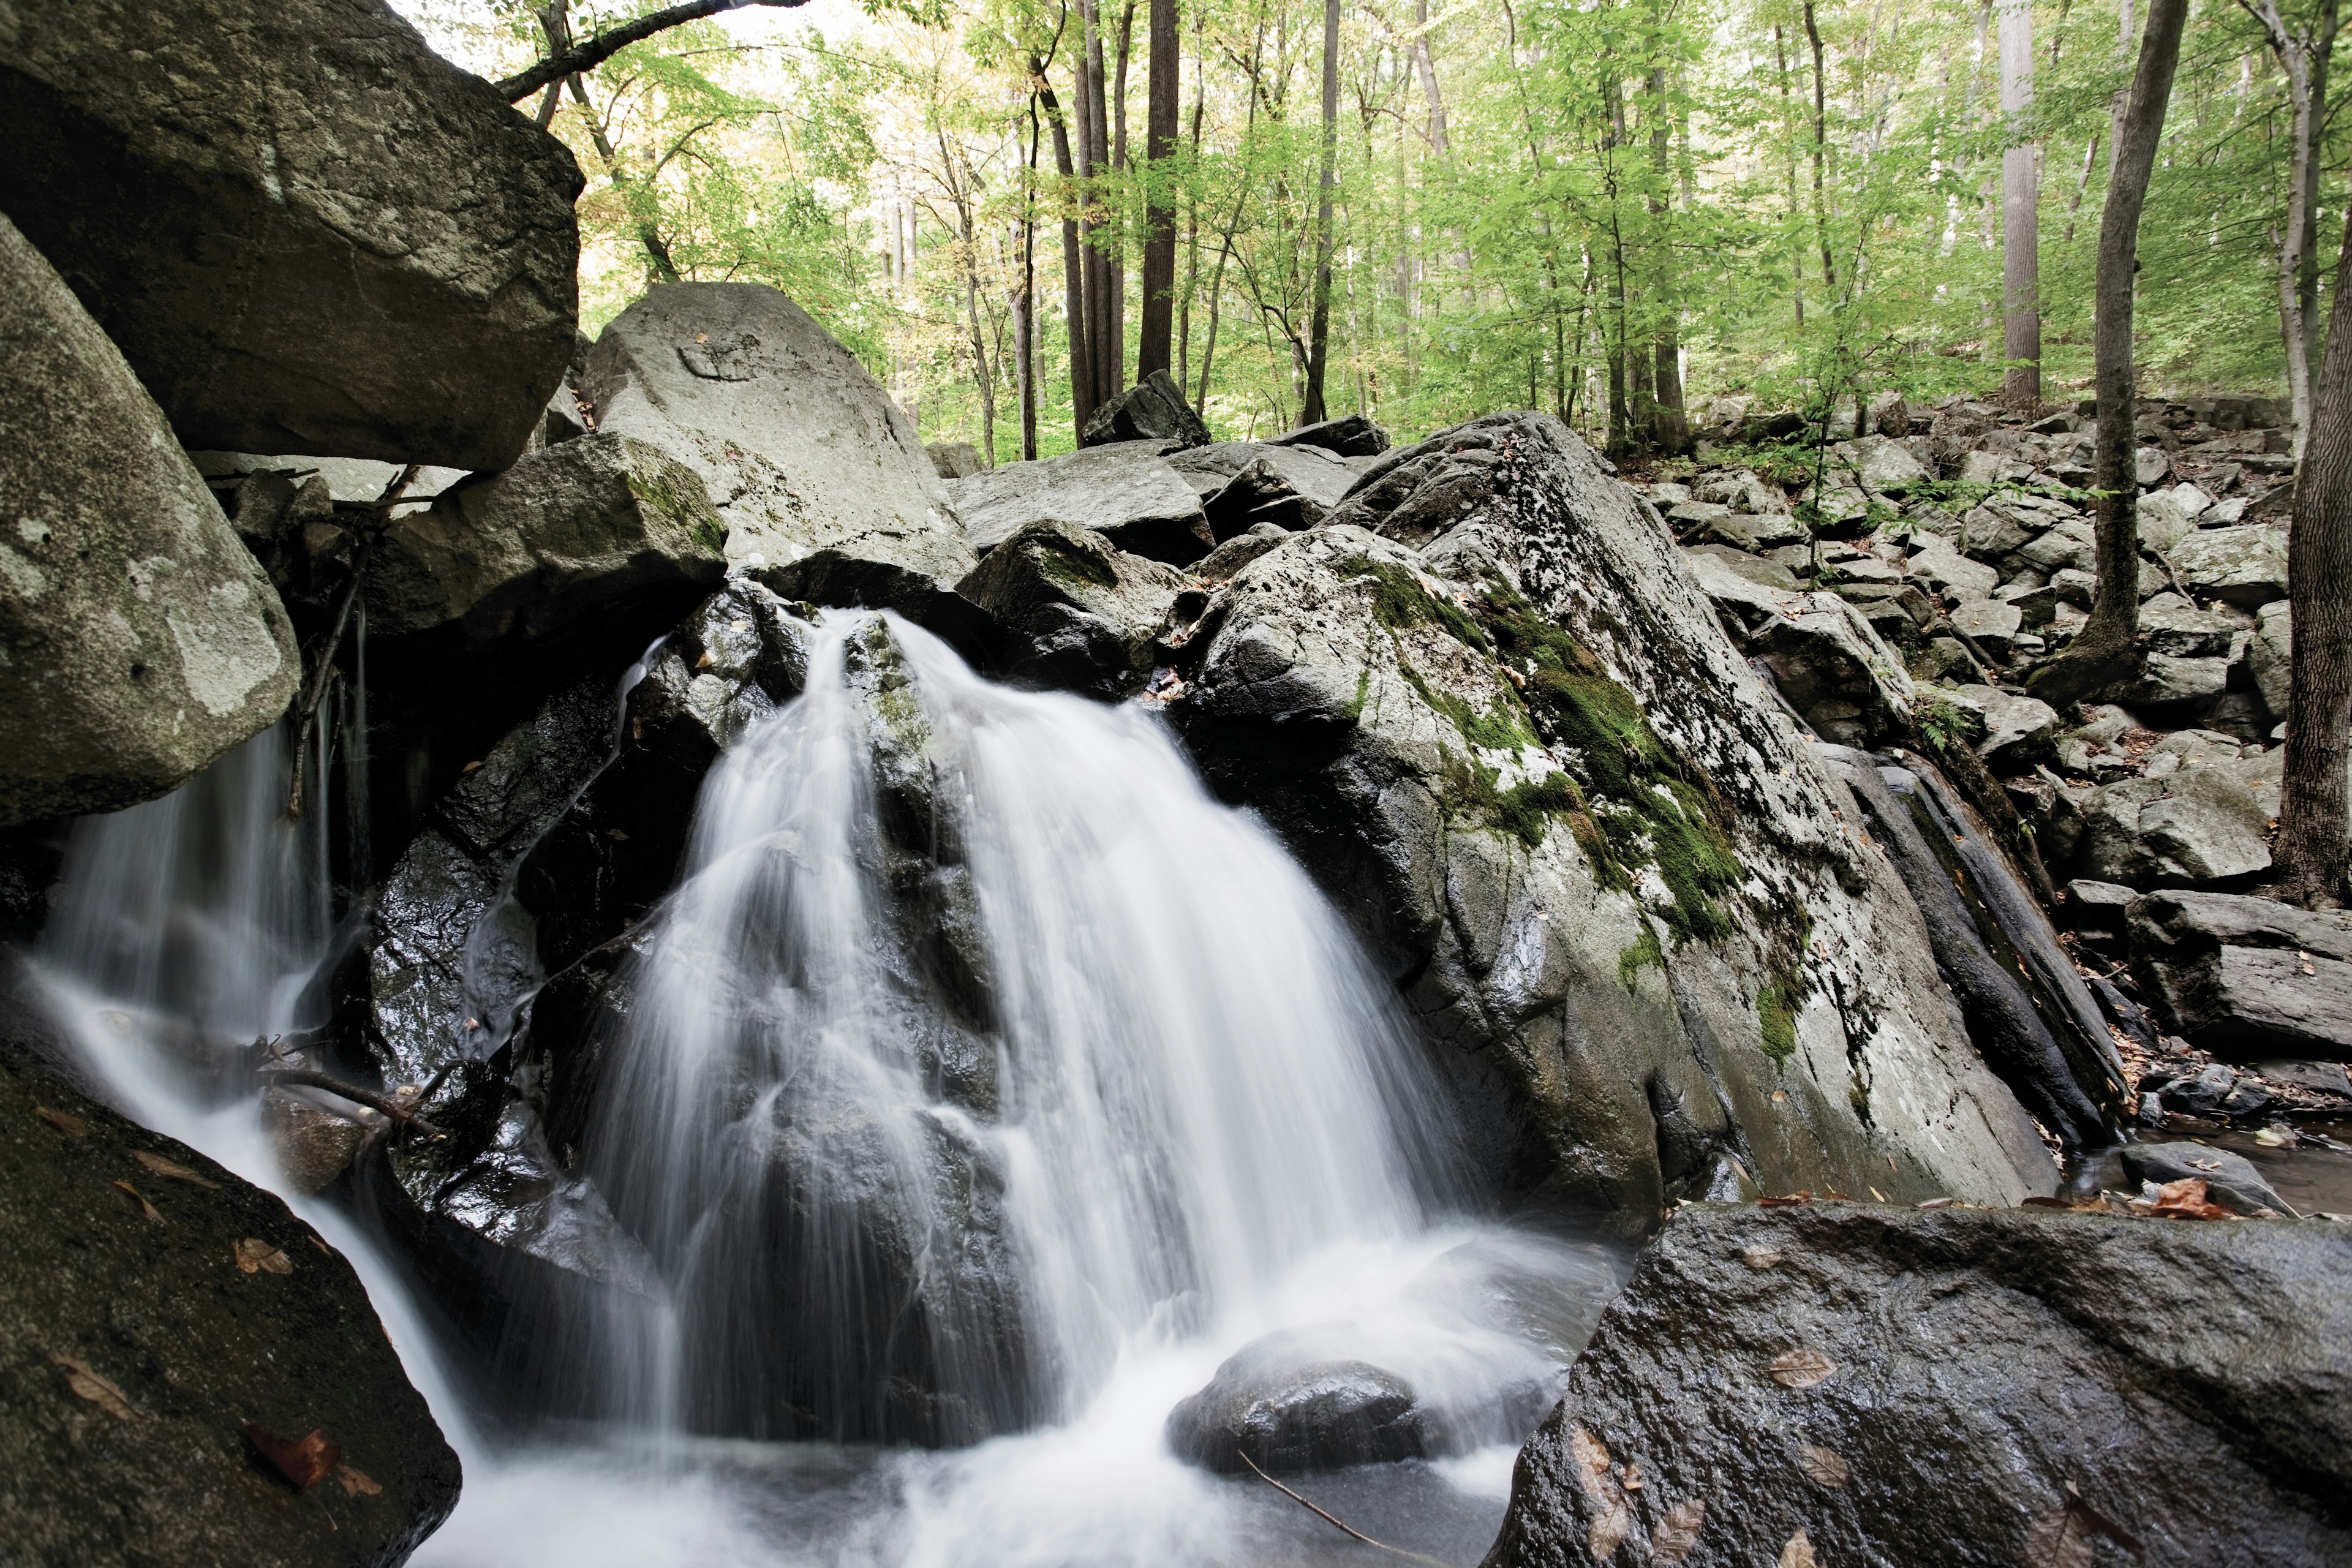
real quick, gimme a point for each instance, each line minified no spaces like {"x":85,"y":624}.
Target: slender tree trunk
{"x":1192,"y":212}
{"x":2083,"y":185}
{"x":1319,"y":354}
{"x":1796,"y":215}
{"x":1821,"y":154}
{"x":2303,"y":61}
{"x":1094,"y":169}
{"x":1424,"y":61}
{"x":1121,"y":167}
{"x":1083,"y":397}
{"x":2021,"y":209}
{"x":1024,"y":326}
{"x":2312,"y":842}
{"x":1158,"y":215}
{"x":1669,"y":424}
{"x":2106,"y":647}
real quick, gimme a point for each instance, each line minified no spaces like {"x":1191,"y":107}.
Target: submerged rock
{"x":827,"y":493}
{"x":2020,"y":1387}
{"x":307,"y":232}
{"x":139,"y":638}
{"x":1627,"y":903}
{"x":155,"y":1309}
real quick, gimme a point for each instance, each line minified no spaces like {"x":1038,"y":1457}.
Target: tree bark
{"x":2312,"y":855}
{"x":2107,"y":649}
{"x":1424,"y":61}
{"x":587,"y":57}
{"x":2303,"y":57}
{"x":1024,"y":320}
{"x":1318,"y":351}
{"x":1821,"y":154}
{"x":1094,"y":167}
{"x":1083,"y":397}
{"x":1162,"y":106}
{"x":2020,"y":214}
{"x":1669,"y":424}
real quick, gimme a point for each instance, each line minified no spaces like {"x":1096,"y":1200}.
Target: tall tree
{"x":2312,"y":842}
{"x":1319,"y":342}
{"x":2106,"y":646}
{"x":1084,"y":395}
{"x":2303,"y":54}
{"x":1158,"y":326}
{"x":2020,"y":212}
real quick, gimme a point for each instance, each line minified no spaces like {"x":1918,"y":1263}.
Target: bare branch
{"x":587,"y":57}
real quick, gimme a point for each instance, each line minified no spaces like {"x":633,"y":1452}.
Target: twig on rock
{"x":1330,"y":1519}
{"x":399,"y":1110}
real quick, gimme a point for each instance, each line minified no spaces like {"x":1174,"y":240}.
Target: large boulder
{"x":1153,"y":409}
{"x":2196,"y":826}
{"x":139,"y":637}
{"x":1125,"y":492}
{"x":1070,"y":609}
{"x":1827,"y":662}
{"x":827,"y":490}
{"x":307,"y":232}
{"x":1630,"y":908}
{"x":161,"y":1325}
{"x":606,"y":527}
{"x":1841,"y":1383}
{"x":2245,"y":977}
{"x":1245,"y":483}
{"x":1285,"y":1407}
{"x":2246,"y":564}
{"x":2271,"y":656}
{"x":1349,"y":435}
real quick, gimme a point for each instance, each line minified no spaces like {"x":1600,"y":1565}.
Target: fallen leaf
{"x":302,"y":1463}
{"x":1762,"y":1258}
{"x":1631,"y":1480}
{"x":70,"y":1125}
{"x":1879,"y":1195}
{"x":85,"y":1380}
{"x":253,"y":1253}
{"x":2185,"y":1199}
{"x":1677,"y":1534}
{"x":171,"y":1168}
{"x":2206,"y":1164}
{"x":144,"y":1207}
{"x":1609,"y":1529}
{"x":1802,"y":1368}
{"x":1798,"y":1553}
{"x":1822,"y":1466}
{"x":1591,"y":1457}
{"x":2058,"y":1540}
{"x":355,"y":1480}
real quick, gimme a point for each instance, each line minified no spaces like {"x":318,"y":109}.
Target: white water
{"x":1207,"y":1124}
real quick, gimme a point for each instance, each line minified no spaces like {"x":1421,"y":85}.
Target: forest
{"x":1608,"y":210}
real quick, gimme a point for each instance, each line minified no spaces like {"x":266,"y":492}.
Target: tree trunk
{"x":1796,"y":217}
{"x":2020,"y":214}
{"x":1094,"y":167}
{"x":1083,"y":398}
{"x":2107,"y":649}
{"x":1424,"y":61}
{"x":1669,"y":424}
{"x":1158,"y":215}
{"x":1024,"y":321}
{"x":1319,"y":352}
{"x":2302,"y":61}
{"x":1821,"y":155}
{"x":2312,"y":853}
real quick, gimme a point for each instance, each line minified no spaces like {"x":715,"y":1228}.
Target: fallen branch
{"x":1343,"y":1524}
{"x":399,"y":1110}
{"x":587,"y":57}
{"x":308,"y":714}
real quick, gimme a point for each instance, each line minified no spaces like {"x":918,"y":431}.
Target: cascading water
{"x":983,"y":1081}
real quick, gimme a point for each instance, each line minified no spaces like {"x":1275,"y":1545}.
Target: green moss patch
{"x":1643,"y":953}
{"x":1400,"y":602}
{"x":1073,"y":566}
{"x":1776,"y":1010}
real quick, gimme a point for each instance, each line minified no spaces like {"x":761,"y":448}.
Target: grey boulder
{"x":139,"y":638}
{"x":2196,"y":826}
{"x":1071,"y":610}
{"x":2247,"y":977}
{"x":1349,"y":435}
{"x":2231,"y":1179}
{"x":1284,"y":1409}
{"x":953,"y":459}
{"x":2018,"y":731}
{"x":2245,"y":564}
{"x":826,"y":491}
{"x":1151,"y":410}
{"x":1841,"y":1383}
{"x":1245,"y":483}
{"x":307,"y":231}
{"x":1125,"y":492}
{"x":2270,"y":656}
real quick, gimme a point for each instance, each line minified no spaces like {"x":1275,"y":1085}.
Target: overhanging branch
{"x":587,"y":57}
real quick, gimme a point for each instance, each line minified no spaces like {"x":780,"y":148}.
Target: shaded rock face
{"x":1289,"y":1411}
{"x":2198,"y":824}
{"x":133,"y":1344}
{"x":827,"y":493}
{"x":605,"y":527}
{"x":1151,"y":410}
{"x":2245,"y":977}
{"x":1349,"y":435}
{"x":1245,"y":483}
{"x":1069,"y":610}
{"x":307,"y":232}
{"x":1124,"y":492}
{"x":1624,"y":900}
{"x":2019,"y":1386}
{"x":139,"y":638}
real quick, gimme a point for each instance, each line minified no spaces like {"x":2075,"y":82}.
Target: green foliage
{"x":1777,"y":1006}
{"x":1644,"y":952}
{"x":1942,"y":723}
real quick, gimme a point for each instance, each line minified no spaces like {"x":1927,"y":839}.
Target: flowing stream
{"x":986,"y":1083}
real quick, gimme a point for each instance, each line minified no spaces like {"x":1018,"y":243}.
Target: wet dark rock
{"x":139,"y":638}
{"x":1349,"y":435}
{"x":1577,"y":832}
{"x":2096,"y":911}
{"x":2246,"y":977}
{"x":132,"y":1346}
{"x":1068,"y":609}
{"x":2231,"y":1179}
{"x":2026,"y":1385}
{"x":1284,"y":1407}
{"x":307,"y":232}
{"x":2199,"y":1093}
{"x":1151,"y":410}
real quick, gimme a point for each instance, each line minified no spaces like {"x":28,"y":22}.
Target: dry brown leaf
{"x":1631,"y":1478}
{"x":1608,"y":1531}
{"x":253,"y":1253}
{"x":1591,"y":1457}
{"x":1802,"y":1368}
{"x":85,"y":1380}
{"x":1798,"y":1553}
{"x":2058,"y":1540}
{"x":171,"y":1168}
{"x":303,"y":1462}
{"x":1762,"y":1258}
{"x":1677,"y":1534}
{"x":2185,"y":1199}
{"x":1822,"y":1466}
{"x":355,"y":1480}
{"x":72,"y":1126}
{"x":144,"y":1207}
